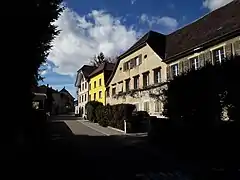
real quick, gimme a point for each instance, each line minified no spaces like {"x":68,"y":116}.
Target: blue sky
{"x":112,"y":26}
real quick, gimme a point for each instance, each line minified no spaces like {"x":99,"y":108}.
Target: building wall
{"x":230,"y":47}
{"x":82,"y":94}
{"x":150,"y":61}
{"x":100,"y":88}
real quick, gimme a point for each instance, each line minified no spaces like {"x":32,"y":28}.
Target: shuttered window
{"x":194,"y":63}
{"x":218,"y":55}
{"x":237,"y":47}
{"x":146,"y":106}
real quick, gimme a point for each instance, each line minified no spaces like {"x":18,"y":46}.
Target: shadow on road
{"x":64,"y":117}
{"x":109,"y":157}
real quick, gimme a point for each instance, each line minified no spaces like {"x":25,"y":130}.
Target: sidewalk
{"x":107,"y":131}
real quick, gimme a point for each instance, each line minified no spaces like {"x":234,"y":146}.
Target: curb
{"x":95,"y":129}
{"x":119,"y":130}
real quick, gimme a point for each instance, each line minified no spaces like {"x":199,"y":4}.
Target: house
{"x":59,"y":102}
{"x":138,"y":68}
{"x":66,"y":101}
{"x":82,"y":88}
{"x":144,"y":69}
{"x":97,"y":82}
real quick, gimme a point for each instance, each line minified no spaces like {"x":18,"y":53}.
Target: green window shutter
{"x":228,"y":50}
{"x":208,"y":57}
{"x":236,"y":46}
{"x":180,"y":64}
{"x":186,"y":65}
{"x":168,"y":73}
{"x":201,"y":60}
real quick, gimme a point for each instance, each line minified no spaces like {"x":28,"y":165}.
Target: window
{"x":94,"y":97}
{"x":136,"y":82}
{"x":137,"y":61}
{"x":145,"y":79}
{"x":120,"y":84}
{"x":80,"y":88}
{"x":113,"y":91}
{"x":82,"y":99}
{"x":100,"y":82}
{"x":157,"y":75}
{"x":127,"y":84}
{"x":218,"y":55}
{"x":85,"y":85}
{"x":194,"y":63}
{"x":157,"y":106}
{"x":174,"y":70}
{"x":89,"y":97}
{"x":100,"y":94}
{"x":107,"y":92}
{"x":146,"y":106}
{"x":85,"y":97}
{"x":89,"y":86}
{"x":132,"y":63}
{"x":95,"y":84}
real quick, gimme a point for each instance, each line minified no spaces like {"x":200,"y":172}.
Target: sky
{"x":112,"y":26}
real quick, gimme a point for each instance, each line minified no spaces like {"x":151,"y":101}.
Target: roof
{"x":105,"y":66}
{"x":63,"y":90}
{"x":211,"y":26}
{"x":154,"y":39}
{"x":86,"y":70}
{"x":43,"y":89}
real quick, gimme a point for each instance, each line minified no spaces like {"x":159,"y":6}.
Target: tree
{"x":100,"y":58}
{"x":31,"y":43}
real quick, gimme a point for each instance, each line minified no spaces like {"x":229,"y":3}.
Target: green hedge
{"x":108,"y":115}
{"x":91,"y":108}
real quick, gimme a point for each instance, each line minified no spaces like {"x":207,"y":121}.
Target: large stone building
{"x":83,"y":88}
{"x":143,"y":70}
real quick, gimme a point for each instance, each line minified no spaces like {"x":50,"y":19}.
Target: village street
{"x":101,"y":156}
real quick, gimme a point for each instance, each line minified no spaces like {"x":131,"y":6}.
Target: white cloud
{"x":167,"y":22}
{"x":215,"y":4}
{"x":133,"y":1}
{"x":82,"y":37}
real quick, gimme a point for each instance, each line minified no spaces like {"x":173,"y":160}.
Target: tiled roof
{"x":154,"y":39}
{"x":105,"y":66}
{"x":87,"y":70}
{"x":213,"y":25}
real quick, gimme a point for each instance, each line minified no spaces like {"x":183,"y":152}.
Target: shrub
{"x":91,"y":107}
{"x":115,"y":115}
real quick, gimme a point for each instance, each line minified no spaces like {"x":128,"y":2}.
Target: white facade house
{"x":82,"y":89}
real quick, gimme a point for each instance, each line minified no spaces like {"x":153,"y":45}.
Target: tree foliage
{"x":100,"y":58}
{"x":202,"y":97}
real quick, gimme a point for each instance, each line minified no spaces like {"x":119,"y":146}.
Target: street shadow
{"x":110,"y":157}
{"x":65,"y":117}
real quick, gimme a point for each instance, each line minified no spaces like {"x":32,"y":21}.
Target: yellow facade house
{"x":97,"y":82}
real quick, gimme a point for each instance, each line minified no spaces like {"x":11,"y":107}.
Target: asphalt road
{"x":76,"y":127}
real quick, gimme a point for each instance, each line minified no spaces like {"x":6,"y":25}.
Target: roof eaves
{"x":200,"y":46}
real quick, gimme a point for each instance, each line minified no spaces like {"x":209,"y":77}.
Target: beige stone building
{"x":143,"y":70}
